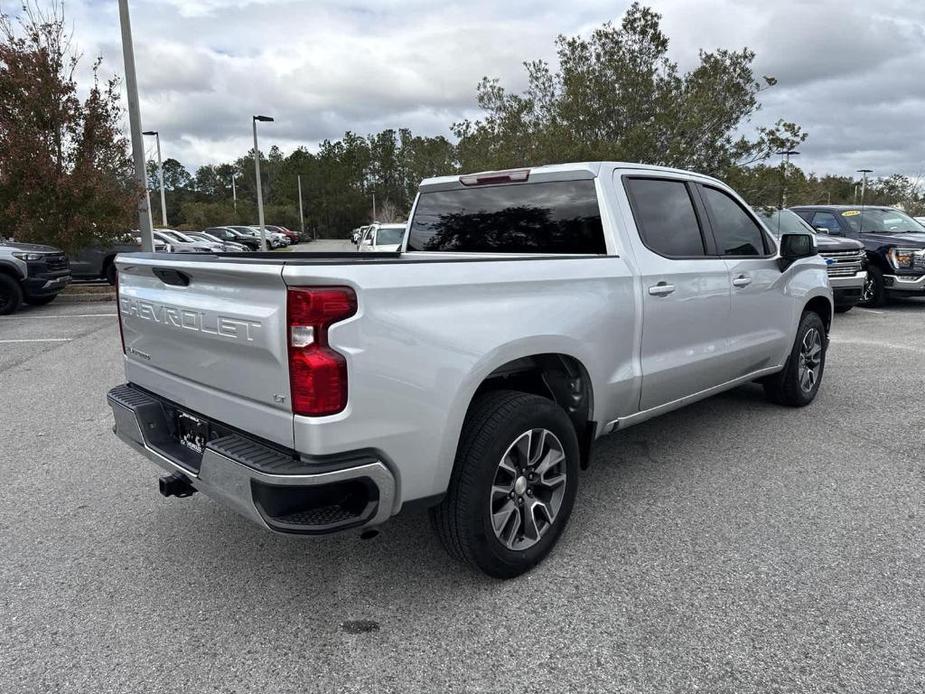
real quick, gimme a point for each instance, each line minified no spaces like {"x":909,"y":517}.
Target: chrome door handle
{"x":741,"y":281}
{"x":661,"y":289}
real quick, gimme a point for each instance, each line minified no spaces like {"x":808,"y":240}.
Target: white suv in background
{"x":380,"y":238}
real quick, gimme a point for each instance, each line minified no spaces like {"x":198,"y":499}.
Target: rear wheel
{"x":513,"y":484}
{"x":798,"y":383}
{"x":874,"y":292}
{"x":10,"y":295}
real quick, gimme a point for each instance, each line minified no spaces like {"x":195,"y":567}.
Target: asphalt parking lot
{"x":730,"y":547}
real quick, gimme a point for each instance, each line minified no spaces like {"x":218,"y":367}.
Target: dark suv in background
{"x":845,"y":258}
{"x":32,"y":273}
{"x":894,"y":242}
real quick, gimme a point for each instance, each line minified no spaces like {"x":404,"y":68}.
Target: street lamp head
{"x":264,"y":119}
{"x":788,"y":152}
{"x":865,"y":171}
{"x":149,"y":132}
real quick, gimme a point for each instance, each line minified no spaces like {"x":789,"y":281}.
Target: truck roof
{"x":558,"y":172}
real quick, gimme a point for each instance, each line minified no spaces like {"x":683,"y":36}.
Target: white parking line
{"x":880,"y":344}
{"x":868,"y":310}
{"x":38,"y":339}
{"x":65,"y":315}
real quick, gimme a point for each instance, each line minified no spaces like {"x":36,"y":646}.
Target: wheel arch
{"x":109,"y":260}
{"x":11,"y":270}
{"x":559,"y":376}
{"x":821,"y":306}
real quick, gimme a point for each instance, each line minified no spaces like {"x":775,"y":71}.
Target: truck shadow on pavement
{"x":213,"y":552}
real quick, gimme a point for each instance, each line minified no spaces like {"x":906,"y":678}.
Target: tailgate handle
{"x":174,"y":277}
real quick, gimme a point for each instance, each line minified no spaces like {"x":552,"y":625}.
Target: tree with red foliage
{"x":65,"y":168}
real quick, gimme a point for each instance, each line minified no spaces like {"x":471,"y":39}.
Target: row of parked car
{"x":872,"y":252}
{"x":35,"y":273}
{"x":225,"y":239}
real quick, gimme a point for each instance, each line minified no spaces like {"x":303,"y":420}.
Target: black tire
{"x":463,"y":520}
{"x":843,"y":309}
{"x":40,"y":300}
{"x":10,"y":295}
{"x":110,"y":272}
{"x":788,"y":386}
{"x":874,"y":293}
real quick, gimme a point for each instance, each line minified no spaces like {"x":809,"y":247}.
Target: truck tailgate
{"x":211,"y":336}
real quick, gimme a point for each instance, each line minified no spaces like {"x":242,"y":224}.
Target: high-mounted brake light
{"x":495,"y":177}
{"x":317,"y":373}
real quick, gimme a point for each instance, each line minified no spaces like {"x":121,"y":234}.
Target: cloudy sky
{"x":851,"y":72}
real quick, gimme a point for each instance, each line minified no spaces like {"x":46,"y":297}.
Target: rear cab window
{"x":561,"y":217}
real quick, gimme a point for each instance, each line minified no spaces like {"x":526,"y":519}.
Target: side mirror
{"x":822,"y":230}
{"x":793,"y":247}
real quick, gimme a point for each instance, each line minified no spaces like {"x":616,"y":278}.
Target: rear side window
{"x":665,"y":217}
{"x":389,"y":236}
{"x":827,"y":221}
{"x":553,"y":217}
{"x":735,"y":231}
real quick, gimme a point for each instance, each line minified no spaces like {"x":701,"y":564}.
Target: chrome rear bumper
{"x":278,"y":492}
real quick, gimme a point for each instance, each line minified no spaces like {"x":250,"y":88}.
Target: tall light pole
{"x":301,"y":215}
{"x":374,"y":206}
{"x":134,"y":119}
{"x":234,"y":194}
{"x":160,"y":173}
{"x":864,"y":173}
{"x":785,"y":165}
{"x":260,"y":219}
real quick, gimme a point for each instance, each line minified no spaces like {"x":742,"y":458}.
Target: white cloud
{"x":850,"y":73}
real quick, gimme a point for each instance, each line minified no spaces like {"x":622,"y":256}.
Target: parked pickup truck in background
{"x":894,"y":241}
{"x":845,"y":258}
{"x":32,"y":273}
{"x":528,"y":313}
{"x":96,"y":261}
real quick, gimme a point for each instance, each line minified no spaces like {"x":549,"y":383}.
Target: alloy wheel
{"x":810,"y":360}
{"x":528,"y":489}
{"x":867,"y":294}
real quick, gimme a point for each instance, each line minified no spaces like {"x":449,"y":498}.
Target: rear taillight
{"x":119,"y":313}
{"x":317,"y":373}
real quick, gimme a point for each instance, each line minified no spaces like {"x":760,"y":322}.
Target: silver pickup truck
{"x":528,"y":313}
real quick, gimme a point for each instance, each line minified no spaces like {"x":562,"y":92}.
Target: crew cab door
{"x":685,"y":292}
{"x":760,"y":324}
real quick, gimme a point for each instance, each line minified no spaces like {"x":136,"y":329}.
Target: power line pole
{"x":785,"y":166}
{"x":134,"y":119}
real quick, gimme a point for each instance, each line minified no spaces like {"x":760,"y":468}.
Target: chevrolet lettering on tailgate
{"x":189,"y":319}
